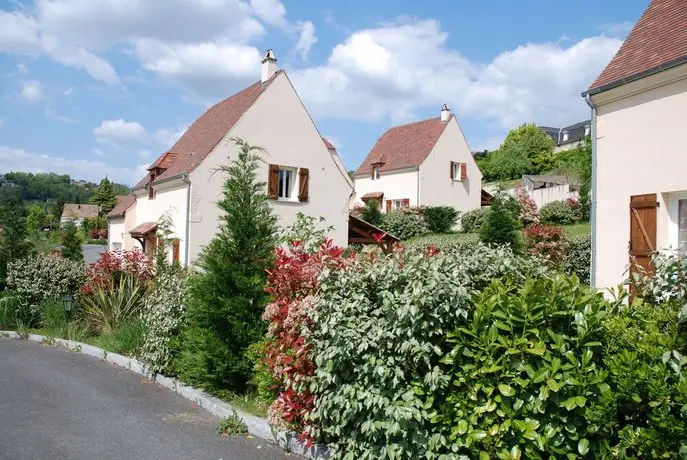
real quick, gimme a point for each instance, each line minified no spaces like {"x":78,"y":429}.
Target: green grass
{"x":583,"y":229}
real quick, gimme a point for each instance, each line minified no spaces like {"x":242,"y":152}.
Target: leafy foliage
{"x":549,"y":243}
{"x":306,"y":230}
{"x":378,"y":337}
{"x":104,"y":196}
{"x":471,"y":221}
{"x":560,"y":213}
{"x":113,"y":265}
{"x":109,"y":307}
{"x":668,"y":283}
{"x":403,"y":224}
{"x":42,"y":277}
{"x":233,"y":424}
{"x":579,"y":258}
{"x":501,"y":225}
{"x":71,"y":243}
{"x":440,"y":219}
{"x":371,"y":213}
{"x":529,"y":214}
{"x":14,"y":243}
{"x":9,"y":306}
{"x":227,"y":297}
{"x":36,"y":219}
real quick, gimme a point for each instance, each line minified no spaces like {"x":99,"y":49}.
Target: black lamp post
{"x":68,"y":302}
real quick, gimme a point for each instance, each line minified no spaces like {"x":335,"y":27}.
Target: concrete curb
{"x":256,"y":426}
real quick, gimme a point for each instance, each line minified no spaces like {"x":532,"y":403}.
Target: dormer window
{"x":565,"y":136}
{"x":375,"y":172}
{"x":587,"y":130}
{"x":151,"y":190}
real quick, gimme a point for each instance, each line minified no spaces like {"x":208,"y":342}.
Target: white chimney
{"x":269,"y":65}
{"x":445,"y":113}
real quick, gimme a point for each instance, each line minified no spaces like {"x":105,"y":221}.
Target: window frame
{"x":375,"y":172}
{"x":456,"y":171}
{"x":396,"y":205}
{"x":566,"y":136}
{"x":674,"y":219}
{"x":293,"y":188}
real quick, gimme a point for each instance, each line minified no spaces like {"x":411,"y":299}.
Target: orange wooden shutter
{"x":642,"y":231}
{"x":388,"y":205}
{"x":452,"y":163}
{"x":273,"y":182}
{"x":175,"y":250}
{"x":406,"y":202}
{"x":463,"y":171}
{"x":304,"y":184}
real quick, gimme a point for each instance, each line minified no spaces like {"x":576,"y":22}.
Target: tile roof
{"x":143,"y":229}
{"x":79,"y":211}
{"x":660,"y":37}
{"x":206,"y":132}
{"x":370,"y":195}
{"x":124,"y":202}
{"x":404,"y":146}
{"x":328,"y":144}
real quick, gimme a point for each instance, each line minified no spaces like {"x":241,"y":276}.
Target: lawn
{"x":584,"y":229}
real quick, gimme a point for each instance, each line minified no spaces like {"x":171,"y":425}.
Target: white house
{"x":119,"y":220}
{"x":639,"y":108}
{"x":303,"y":174}
{"x":426,"y":163}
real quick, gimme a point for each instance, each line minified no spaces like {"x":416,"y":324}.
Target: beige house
{"x":76,"y":213}
{"x":302,"y":172}
{"x":639,"y":108}
{"x":426,"y":163}
{"x":121,"y":218}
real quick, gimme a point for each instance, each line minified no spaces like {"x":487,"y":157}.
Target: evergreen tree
{"x":59,"y":208}
{"x":371,"y":213}
{"x":227,"y":297}
{"x":71,"y":243}
{"x":501,"y":225}
{"x":14,"y":243}
{"x":104,"y":196}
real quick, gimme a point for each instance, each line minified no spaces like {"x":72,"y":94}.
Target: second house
{"x":426,"y":163}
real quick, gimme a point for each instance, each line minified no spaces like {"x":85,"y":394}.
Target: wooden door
{"x":643,"y":215}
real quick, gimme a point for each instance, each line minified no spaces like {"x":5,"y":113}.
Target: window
{"x":682,"y":227}
{"x":375,"y":172}
{"x":459,"y":171}
{"x":151,"y":190}
{"x":396,"y":205}
{"x":587,"y":130}
{"x":287,"y":179}
{"x":565,"y":136}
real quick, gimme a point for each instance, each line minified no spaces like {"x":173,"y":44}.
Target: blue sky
{"x":94,"y":87}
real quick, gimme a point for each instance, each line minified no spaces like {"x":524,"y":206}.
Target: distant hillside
{"x":51,"y":186}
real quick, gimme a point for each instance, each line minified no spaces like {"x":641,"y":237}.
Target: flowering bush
{"x":576,"y":206}
{"x":528,"y":208}
{"x":97,"y":234}
{"x":558,"y":212}
{"x":111,"y":265}
{"x":548,"y":242}
{"x":42,"y":277}
{"x":293,"y":283}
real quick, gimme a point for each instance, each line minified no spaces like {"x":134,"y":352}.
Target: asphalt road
{"x":55,"y":404}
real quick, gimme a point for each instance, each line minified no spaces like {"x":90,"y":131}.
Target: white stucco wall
{"x":436,"y":186}
{"x":170,"y":196}
{"x":278,"y":122}
{"x":641,"y":148}
{"x":396,"y":185}
{"x":544,"y":196}
{"x":116,"y":232}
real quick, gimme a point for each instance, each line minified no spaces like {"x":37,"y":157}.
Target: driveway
{"x":55,"y":404}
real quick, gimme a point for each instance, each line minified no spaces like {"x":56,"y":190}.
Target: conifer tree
{"x":104,"y":196}
{"x":227,"y":296}
{"x":71,"y":243}
{"x":14,"y":243}
{"x":501,"y":226}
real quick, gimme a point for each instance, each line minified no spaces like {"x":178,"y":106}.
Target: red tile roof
{"x":660,"y":37}
{"x":328,"y":144}
{"x":79,"y":211}
{"x":124,"y":202}
{"x":206,"y":132}
{"x":371,"y":195}
{"x":404,"y":146}
{"x":144,"y":229}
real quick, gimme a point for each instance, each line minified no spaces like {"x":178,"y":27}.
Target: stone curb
{"x":256,"y":426}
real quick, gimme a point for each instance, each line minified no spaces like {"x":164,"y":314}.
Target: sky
{"x":95,"y":87}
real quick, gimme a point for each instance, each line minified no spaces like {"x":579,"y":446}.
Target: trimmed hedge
{"x":558,"y":212}
{"x":471,"y":221}
{"x":440,"y":219}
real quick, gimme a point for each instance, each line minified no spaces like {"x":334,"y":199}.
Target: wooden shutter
{"x":372,"y":173}
{"x":642,"y":231}
{"x":273,"y":182}
{"x":175,"y":250}
{"x":303,"y":184}
{"x":388,"y":205}
{"x":463,"y":171}
{"x":452,"y":163}
{"x":406,"y":202}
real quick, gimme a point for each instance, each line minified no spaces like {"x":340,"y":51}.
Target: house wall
{"x":436,"y":186}
{"x":172,"y":197}
{"x":396,"y":185}
{"x":640,"y":148}
{"x":278,"y":122}
{"x":116,"y":232}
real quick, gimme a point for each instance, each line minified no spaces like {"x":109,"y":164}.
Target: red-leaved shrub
{"x":548,"y":242}
{"x":293,"y":283}
{"x":576,"y":206}
{"x":111,"y":265}
{"x":528,"y":207}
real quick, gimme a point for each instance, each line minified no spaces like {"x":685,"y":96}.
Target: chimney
{"x":269,"y":65}
{"x":445,"y":113}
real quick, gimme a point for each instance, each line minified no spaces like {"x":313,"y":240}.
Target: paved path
{"x":57,"y":405}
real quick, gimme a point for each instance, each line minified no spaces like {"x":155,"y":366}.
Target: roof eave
{"x":634,"y":77}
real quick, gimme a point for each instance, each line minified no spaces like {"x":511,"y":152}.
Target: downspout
{"x":187,"y":181}
{"x":418,"y":186}
{"x":592,"y":277}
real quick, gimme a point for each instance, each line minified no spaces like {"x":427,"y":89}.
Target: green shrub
{"x":558,"y":212}
{"x":71,"y":243}
{"x":9,"y":306}
{"x":442,"y":242}
{"x":371,"y":213}
{"x":548,"y":242}
{"x":126,"y":340}
{"x":163,"y":315}
{"x":471,"y":221}
{"x":108,"y":308}
{"x":579,"y":258}
{"x":668,"y":283}
{"x":53,"y":315}
{"x":501,"y":225}
{"x":403,"y":224}
{"x":378,"y":341}
{"x":527,"y":371}
{"x":41,"y":277}
{"x":440,"y":219}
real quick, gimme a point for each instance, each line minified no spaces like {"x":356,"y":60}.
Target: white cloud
{"x":32,"y":91}
{"x":118,"y":130}
{"x":19,"y":33}
{"x":15,"y":159}
{"x":270,"y":11}
{"x":144,"y":154}
{"x":616,"y":29}
{"x":168,"y":137}
{"x":306,"y":38}
{"x":397,"y":69}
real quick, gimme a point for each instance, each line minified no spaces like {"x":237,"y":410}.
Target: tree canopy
{"x":51,"y":186}
{"x":104,"y":196}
